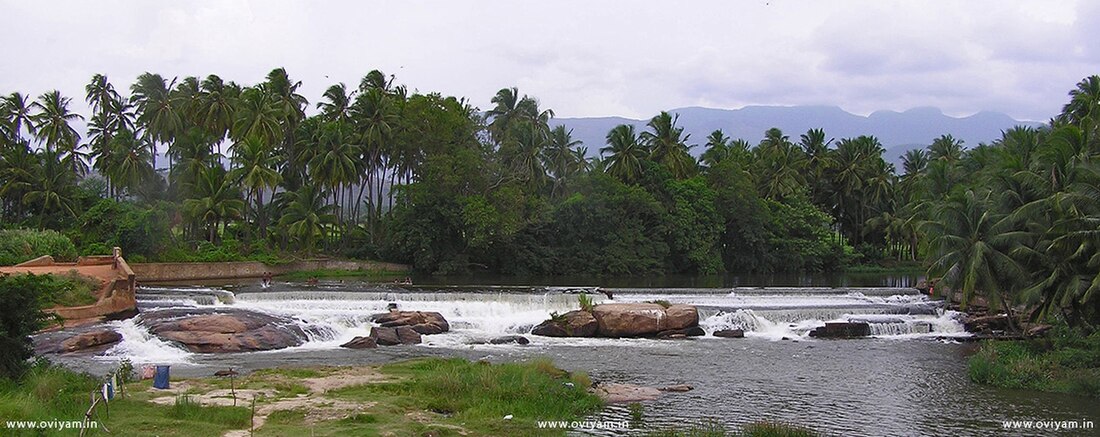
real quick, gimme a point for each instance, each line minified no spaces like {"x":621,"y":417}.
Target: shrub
{"x":19,"y":245}
{"x":585,"y":301}
{"x":20,"y":316}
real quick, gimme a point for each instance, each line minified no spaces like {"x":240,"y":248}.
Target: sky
{"x":583,"y":58}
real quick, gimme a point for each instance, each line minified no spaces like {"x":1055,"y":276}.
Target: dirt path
{"x":321,"y":408}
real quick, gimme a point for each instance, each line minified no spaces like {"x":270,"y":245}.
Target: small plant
{"x":125,"y":371}
{"x":586,"y":302}
{"x":661,"y":302}
{"x":557,"y":318}
{"x":636,"y":414}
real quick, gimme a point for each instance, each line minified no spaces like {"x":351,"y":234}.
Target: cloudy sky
{"x":584,"y":58}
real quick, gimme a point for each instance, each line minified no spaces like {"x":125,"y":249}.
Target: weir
{"x":332,"y":313}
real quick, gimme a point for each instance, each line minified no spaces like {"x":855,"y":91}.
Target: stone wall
{"x":167,"y":272}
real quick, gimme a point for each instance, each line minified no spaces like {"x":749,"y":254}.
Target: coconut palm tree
{"x":216,"y":201}
{"x":216,"y":106}
{"x":53,"y":186}
{"x":971,"y":247}
{"x":558,"y":157}
{"x":52,"y":127}
{"x":336,"y":105}
{"x":17,"y":115}
{"x":256,"y":169}
{"x":624,"y":153}
{"x":306,"y":216}
{"x":667,"y":145}
{"x":718,"y":149}
{"x":157,"y":114}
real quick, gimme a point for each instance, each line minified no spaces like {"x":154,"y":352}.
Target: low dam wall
{"x":170,"y":272}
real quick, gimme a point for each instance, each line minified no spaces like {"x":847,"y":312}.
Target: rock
{"x":221,"y":331}
{"x":842,"y":330}
{"x":629,"y":319}
{"x":730,"y":333}
{"x":90,"y":339}
{"x":572,"y":324}
{"x":408,"y":335}
{"x":625,"y":393}
{"x":225,"y":373}
{"x":681,"y":317}
{"x":424,"y":322}
{"x":693,"y":331}
{"x":1038,"y":330}
{"x":677,"y":388}
{"x":986,"y":323}
{"x":517,"y":339}
{"x":385,"y":336}
{"x":361,"y":343}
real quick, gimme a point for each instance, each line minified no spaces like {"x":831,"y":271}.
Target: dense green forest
{"x":379,"y":172}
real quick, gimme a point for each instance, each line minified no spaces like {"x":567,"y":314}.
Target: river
{"x":908,"y":379}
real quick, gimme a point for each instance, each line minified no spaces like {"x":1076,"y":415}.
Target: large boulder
{"x":629,"y":319}
{"x":220,"y":331}
{"x":572,"y":324}
{"x":89,"y":340}
{"x":385,"y":336}
{"x":423,"y":322}
{"x":408,"y":335}
{"x":361,"y":343}
{"x":681,"y":317}
{"x":643,"y":319}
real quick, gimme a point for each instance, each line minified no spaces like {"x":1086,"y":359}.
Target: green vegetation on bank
{"x":444,"y":396}
{"x":754,"y":429}
{"x":1067,"y":361}
{"x":19,"y":245}
{"x":48,"y":392}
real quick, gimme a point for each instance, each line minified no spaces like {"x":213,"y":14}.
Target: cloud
{"x":584,"y":58}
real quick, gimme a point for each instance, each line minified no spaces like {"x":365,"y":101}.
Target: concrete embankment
{"x":173,"y":272}
{"x":115,"y":298}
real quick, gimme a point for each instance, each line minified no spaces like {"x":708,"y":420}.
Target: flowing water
{"x":908,"y":379}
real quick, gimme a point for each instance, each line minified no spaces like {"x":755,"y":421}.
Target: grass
{"x":585,"y":302}
{"x":1066,"y":362}
{"x":755,"y":429}
{"x":453,"y":395}
{"x":330,"y":273}
{"x":53,"y":393}
{"x":444,"y":397}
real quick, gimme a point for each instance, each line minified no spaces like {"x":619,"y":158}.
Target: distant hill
{"x":898,"y":131}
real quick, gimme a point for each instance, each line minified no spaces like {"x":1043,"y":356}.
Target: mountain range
{"x":897,"y":131}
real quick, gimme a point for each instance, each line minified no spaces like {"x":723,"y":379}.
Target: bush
{"x":19,"y":245}
{"x":1068,"y":362}
{"x":20,"y":316}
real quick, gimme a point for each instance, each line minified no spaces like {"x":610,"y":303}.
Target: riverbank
{"x":431,"y":396}
{"x":1066,"y":361}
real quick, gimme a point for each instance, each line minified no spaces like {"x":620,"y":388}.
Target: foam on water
{"x":141,"y":346}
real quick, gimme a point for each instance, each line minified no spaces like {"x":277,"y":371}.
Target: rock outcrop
{"x":572,"y":324}
{"x":842,"y":330}
{"x":517,"y":339}
{"x":89,"y":340}
{"x":730,"y":333}
{"x":221,"y":331}
{"x":387,"y":336}
{"x":625,"y":320}
{"x":361,"y":343}
{"x":423,"y":322}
